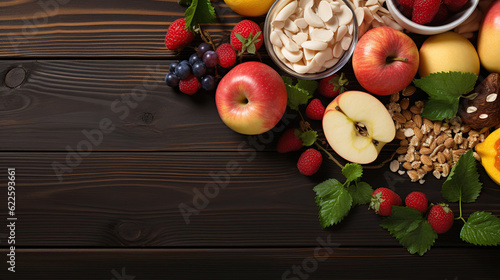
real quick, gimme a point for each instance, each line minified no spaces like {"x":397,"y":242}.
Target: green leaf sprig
{"x":445,"y":90}
{"x":300,"y":93}
{"x":335,"y":199}
{"x":198,"y":12}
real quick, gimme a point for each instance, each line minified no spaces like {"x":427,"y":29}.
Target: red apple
{"x":489,"y":39}
{"x":385,"y":60}
{"x":251,"y":98}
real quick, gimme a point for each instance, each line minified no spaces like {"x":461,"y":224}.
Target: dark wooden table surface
{"x":71,"y":70}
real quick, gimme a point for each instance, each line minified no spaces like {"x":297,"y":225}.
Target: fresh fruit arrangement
{"x":445,"y":133}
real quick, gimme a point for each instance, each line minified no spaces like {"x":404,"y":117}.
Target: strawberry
{"x":177,"y":35}
{"x":226,"y":56}
{"x":417,"y":200}
{"x":442,"y":15}
{"x":333,"y":85}
{"x":425,"y":10}
{"x":315,"y":110}
{"x":407,"y":12}
{"x":289,"y":141}
{"x":440,"y":217}
{"x":406,"y":3}
{"x":383,"y":199}
{"x":190,"y":85}
{"x":455,"y":5}
{"x":309,"y":162}
{"x":246,"y":37}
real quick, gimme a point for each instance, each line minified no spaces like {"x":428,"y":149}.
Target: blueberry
{"x":208,"y":83}
{"x":183,"y":71}
{"x":172,"y":80}
{"x":193,"y":59}
{"x":172,"y":66}
{"x":210,"y":58}
{"x":199,"y":69}
{"x":202,"y":48}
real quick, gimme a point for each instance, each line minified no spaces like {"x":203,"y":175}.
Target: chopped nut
{"x":401,"y":172}
{"x":401,"y":150}
{"x":436,"y":174}
{"x":427,"y":168}
{"x":416,"y":164}
{"x":394,"y":166}
{"x":421,"y":181}
{"x":415,"y":110}
{"x":421,"y":173}
{"x":414,"y":141}
{"x":413,"y":175}
{"x":409,"y":90}
{"x":441,"y":138}
{"x":409,"y":132}
{"x":426,"y":160}
{"x":458,"y":139}
{"x":441,"y":157}
{"x":425,"y":151}
{"x":400,"y":134}
{"x":418,"y":120}
{"x":449,"y":143}
{"x":437,"y":128}
{"x":403,"y":143}
{"x":476,"y":156}
{"x":405,"y":103}
{"x":410,"y":124}
{"x":418,"y":133}
{"x":406,"y":114}
{"x":399,"y":117}
{"x":407,"y":166}
{"x":419,"y":104}
{"x":446,"y":170}
{"x":395,"y":97}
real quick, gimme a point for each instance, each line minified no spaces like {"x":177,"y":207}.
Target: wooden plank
{"x":269,"y":263}
{"x":117,"y":28}
{"x":134,"y":199}
{"x":58,"y":99}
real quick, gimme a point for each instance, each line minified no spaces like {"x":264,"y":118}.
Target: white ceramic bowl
{"x":451,"y":23}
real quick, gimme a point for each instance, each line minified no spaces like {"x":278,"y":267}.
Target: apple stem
{"x":330,"y":156}
{"x":392,"y":59}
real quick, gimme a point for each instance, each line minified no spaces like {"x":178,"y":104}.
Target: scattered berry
{"x":440,"y":217}
{"x":383,"y":199}
{"x":202,"y":48}
{"x":333,"y":85}
{"x":251,"y":38}
{"x":315,"y":110}
{"x":172,"y":66}
{"x":441,"y":16}
{"x":190,"y":85}
{"x":226,"y":55}
{"x":193,"y":59}
{"x":210,"y":58}
{"x":309,"y":162}
{"x":289,"y":142}
{"x":172,"y":80}
{"x":417,"y":200}
{"x":177,"y":35}
{"x":182,"y":71}
{"x":406,"y":3}
{"x":199,"y":69}
{"x":455,"y":5}
{"x":208,"y":83}
{"x":425,"y":10}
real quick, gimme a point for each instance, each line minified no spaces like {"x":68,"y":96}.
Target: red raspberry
{"x":177,"y":35}
{"x":333,"y":85}
{"x":383,"y":199}
{"x":289,"y":141}
{"x":440,"y":217}
{"x":425,"y":10}
{"x":309,"y":162}
{"x":315,"y":110}
{"x":251,"y":42}
{"x":417,"y":200}
{"x":226,"y":55}
{"x":190,"y":85}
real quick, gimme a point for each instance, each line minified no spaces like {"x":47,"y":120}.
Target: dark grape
{"x":183,"y":71}
{"x":199,"y":69}
{"x":184,"y":62}
{"x":193,"y":59}
{"x":208,"y":83}
{"x":172,"y":66}
{"x":172,"y":80}
{"x":202,"y":48}
{"x":210,"y":58}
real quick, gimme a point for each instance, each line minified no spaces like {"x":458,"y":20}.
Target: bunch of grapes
{"x":195,"y":73}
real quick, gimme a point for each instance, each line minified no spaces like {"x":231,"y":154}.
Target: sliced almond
{"x":275,"y":39}
{"x":312,"y":18}
{"x":291,"y":26}
{"x":322,"y":35}
{"x":301,"y":23}
{"x":345,"y":15}
{"x":300,"y":38}
{"x":314,"y":45}
{"x":292,"y":56}
{"x":286,"y":12}
{"x":337,"y":50}
{"x":360,"y":15}
{"x":333,"y":23}
{"x":325,"y":11}
{"x":341,"y":32}
{"x":346,"y":42}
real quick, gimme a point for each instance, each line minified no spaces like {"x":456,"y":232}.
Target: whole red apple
{"x":385,"y":60}
{"x":251,"y":98}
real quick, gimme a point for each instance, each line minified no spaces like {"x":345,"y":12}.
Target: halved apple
{"x":357,"y":125}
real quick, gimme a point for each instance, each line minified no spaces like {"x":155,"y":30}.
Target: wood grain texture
{"x":59,"y":99}
{"x":132,"y":200}
{"x":251,"y":264}
{"x":120,"y":28}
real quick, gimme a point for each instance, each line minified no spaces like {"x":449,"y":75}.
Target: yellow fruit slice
{"x":250,"y":8}
{"x":489,"y":151}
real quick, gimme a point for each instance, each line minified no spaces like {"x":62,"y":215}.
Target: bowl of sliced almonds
{"x":311,"y":39}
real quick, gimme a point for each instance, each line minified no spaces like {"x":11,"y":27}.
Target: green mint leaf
{"x":308,"y":137}
{"x":447,"y":88}
{"x":482,"y":228}
{"x":184,"y":2}
{"x":200,"y":11}
{"x":240,"y":37}
{"x":463,"y":182}
{"x":410,"y":228}
{"x":352,"y":171}
{"x":251,"y":48}
{"x":361,"y":193}
{"x":334,"y":202}
{"x":437,"y":110}
{"x":308,"y":85}
{"x":298,"y":94}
